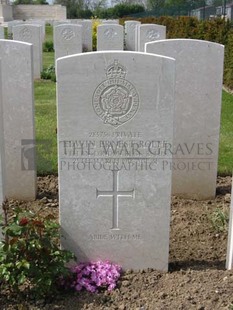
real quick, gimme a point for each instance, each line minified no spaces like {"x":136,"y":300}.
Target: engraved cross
{"x":115,"y":193}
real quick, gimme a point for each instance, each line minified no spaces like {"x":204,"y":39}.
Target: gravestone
{"x":148,"y":33}
{"x":114,"y":111}
{"x":10,"y":26}
{"x":110,"y":21}
{"x":2,"y":35}
{"x":67,"y":40}
{"x":2,"y":171}
{"x":18,"y":119}
{"x":40,"y":23}
{"x":229,"y":259}
{"x":198,"y":92}
{"x":110,"y":37}
{"x":130,"y":34}
{"x":31,"y":34}
{"x":60,"y":22}
{"x":86,"y":34}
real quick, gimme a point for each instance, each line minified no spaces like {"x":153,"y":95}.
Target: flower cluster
{"x":94,"y":276}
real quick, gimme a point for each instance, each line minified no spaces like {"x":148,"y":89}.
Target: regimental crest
{"x":115,"y":100}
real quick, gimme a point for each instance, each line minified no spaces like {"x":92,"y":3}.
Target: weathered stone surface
{"x":115,"y":112}
{"x":18,"y":119}
{"x":130,"y":34}
{"x":67,"y":40}
{"x":149,"y":32}
{"x":2,"y":36}
{"x":2,"y":150}
{"x":110,"y":37}
{"x":198,"y":91}
{"x":31,"y":34}
{"x":86,"y":34}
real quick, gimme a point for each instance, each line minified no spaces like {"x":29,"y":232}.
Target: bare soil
{"x":197,"y":278}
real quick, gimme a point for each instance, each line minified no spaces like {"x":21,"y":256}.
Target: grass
{"x":46,"y":124}
{"x":45,"y":98}
{"x":225,"y":163}
{"x":48,"y":33}
{"x":48,"y":59}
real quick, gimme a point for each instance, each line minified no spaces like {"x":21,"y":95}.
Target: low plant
{"x":95,"y":276}
{"x":48,"y":46}
{"x":219,"y":220}
{"x":95,"y":24}
{"x":31,"y":261}
{"x":49,"y":73}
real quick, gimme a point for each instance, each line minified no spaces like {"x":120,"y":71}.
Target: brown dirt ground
{"x":197,"y":278}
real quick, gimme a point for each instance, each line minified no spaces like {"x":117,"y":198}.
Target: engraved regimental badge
{"x":115,"y":100}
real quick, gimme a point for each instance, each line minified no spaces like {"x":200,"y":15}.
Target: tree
{"x":155,"y":4}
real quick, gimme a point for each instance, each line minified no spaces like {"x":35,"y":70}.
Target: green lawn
{"x":46,"y":124}
{"x":48,"y":33}
{"x":225,"y":163}
{"x":45,"y":97}
{"x":48,"y":59}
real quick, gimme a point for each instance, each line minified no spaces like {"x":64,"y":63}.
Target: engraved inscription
{"x":119,"y":237}
{"x":152,"y":34}
{"x":110,"y":33}
{"x":67,"y":34}
{"x":115,"y":193}
{"x":25,"y":33}
{"x":115,"y":100}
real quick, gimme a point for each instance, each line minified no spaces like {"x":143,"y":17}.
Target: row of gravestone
{"x":131,"y":130}
{"x":72,"y":39}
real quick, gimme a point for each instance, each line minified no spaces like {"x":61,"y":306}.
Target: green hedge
{"x":216,"y":30}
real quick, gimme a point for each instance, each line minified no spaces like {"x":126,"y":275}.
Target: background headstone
{"x":229,"y":260}
{"x":114,"y":194}
{"x":130,"y":34}
{"x":40,"y":23}
{"x":10,"y":26}
{"x":86,"y":34}
{"x":198,"y":93}
{"x":67,"y":40}
{"x":2,"y":162}
{"x":2,"y":35}
{"x":148,"y":33}
{"x":110,"y":21}
{"x":18,"y":119}
{"x":31,"y":34}
{"x":110,"y":37}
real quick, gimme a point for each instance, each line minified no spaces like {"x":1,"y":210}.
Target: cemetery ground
{"x":197,"y":278}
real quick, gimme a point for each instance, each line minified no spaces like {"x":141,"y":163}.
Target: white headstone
{"x":229,"y":259}
{"x":86,"y":34}
{"x":60,"y":22}
{"x":11,"y":24}
{"x":114,"y":195}
{"x":18,"y":120}
{"x":148,"y":33}
{"x":110,"y":21}
{"x":2,"y":151}
{"x":40,"y":23}
{"x":31,"y":34}
{"x":198,"y":93}
{"x":2,"y":35}
{"x":110,"y":37}
{"x":130,"y":34}
{"x":67,"y":40}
